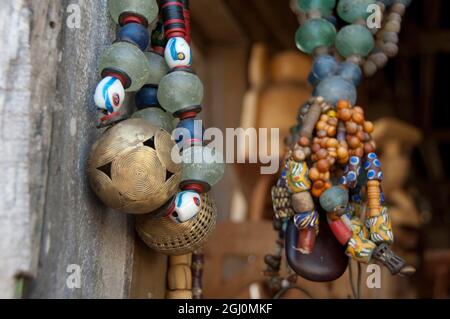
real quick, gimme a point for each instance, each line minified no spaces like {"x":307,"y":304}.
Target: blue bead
{"x":312,"y":79}
{"x":351,"y":72}
{"x":135,"y":33}
{"x":335,"y":88}
{"x":194,"y":133}
{"x":147,"y":97}
{"x":324,"y":66}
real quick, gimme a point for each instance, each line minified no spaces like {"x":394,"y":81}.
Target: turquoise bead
{"x":334,"y":198}
{"x":315,"y":33}
{"x":147,"y":9}
{"x":352,"y":10}
{"x":325,"y":7}
{"x":180,"y":90}
{"x":354,"y":40}
{"x":128,"y":59}
{"x":202,"y":164}
{"x":156,"y":117}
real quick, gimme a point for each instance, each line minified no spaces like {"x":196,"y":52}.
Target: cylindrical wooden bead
{"x":179,"y":294}
{"x":180,"y":260}
{"x":179,"y":277}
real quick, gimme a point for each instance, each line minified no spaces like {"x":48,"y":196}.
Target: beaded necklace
{"x":332,"y":170}
{"x":131,"y":167}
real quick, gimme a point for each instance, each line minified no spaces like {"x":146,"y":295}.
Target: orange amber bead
{"x":342,"y":104}
{"x":368,"y":127}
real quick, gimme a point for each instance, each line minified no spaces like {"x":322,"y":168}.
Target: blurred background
{"x":244,"y":52}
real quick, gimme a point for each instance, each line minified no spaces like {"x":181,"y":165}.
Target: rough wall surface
{"x":49,"y":218}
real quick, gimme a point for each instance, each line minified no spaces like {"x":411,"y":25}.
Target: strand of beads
{"x":181,"y":93}
{"x":332,"y":133}
{"x":124,"y":66}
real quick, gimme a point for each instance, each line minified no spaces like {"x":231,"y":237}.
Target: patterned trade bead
{"x":178,"y":53}
{"x":188,"y":132}
{"x":135,"y":33}
{"x":380,"y":228}
{"x":334,"y":199}
{"x":351,"y":173}
{"x":109,"y":94}
{"x":281,"y":200}
{"x":297,"y":177}
{"x":185,"y":206}
{"x":373,"y":167}
{"x":307,"y":220}
{"x":147,"y":97}
{"x":324,"y":66}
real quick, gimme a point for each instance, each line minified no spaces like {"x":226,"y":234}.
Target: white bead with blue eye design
{"x":186,"y":206}
{"x":109,"y":94}
{"x":178,"y":53}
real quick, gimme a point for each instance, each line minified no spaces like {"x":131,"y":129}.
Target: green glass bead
{"x":180,"y":90}
{"x":156,"y":117}
{"x":202,"y":164}
{"x":325,"y":7}
{"x":334,"y":198}
{"x":352,"y":10}
{"x":354,"y":40}
{"x":158,"y":67}
{"x":128,"y":59}
{"x":144,"y":8}
{"x":315,"y":33}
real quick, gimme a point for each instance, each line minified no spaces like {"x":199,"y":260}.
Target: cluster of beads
{"x":332,"y":138}
{"x":165,"y":86}
{"x":181,"y":93}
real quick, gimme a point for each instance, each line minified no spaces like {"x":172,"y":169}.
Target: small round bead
{"x":393,"y":26}
{"x":350,"y":72}
{"x":315,"y":33}
{"x":135,"y":33}
{"x":147,"y":97}
{"x":390,"y":49}
{"x":369,"y":68}
{"x":324,"y":65}
{"x":189,"y":131}
{"x":178,"y":53}
{"x":390,"y":37}
{"x":380,"y":59}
